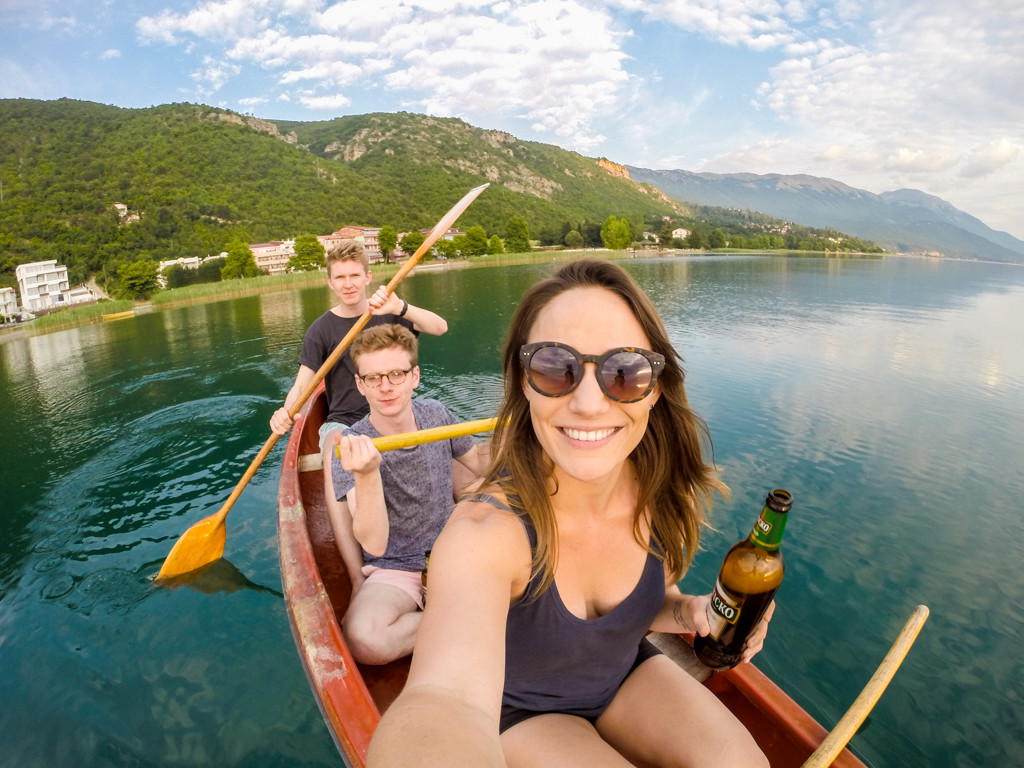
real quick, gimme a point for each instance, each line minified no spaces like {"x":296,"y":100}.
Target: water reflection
{"x":218,"y":576}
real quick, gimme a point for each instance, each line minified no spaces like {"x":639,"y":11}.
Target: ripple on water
{"x":48,"y":563}
{"x":54,"y":542}
{"x":113,"y":589}
{"x":57,"y":586}
{"x":468,"y":397}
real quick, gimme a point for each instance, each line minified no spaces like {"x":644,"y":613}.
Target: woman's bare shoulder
{"x":487,"y":504}
{"x":484,"y":532}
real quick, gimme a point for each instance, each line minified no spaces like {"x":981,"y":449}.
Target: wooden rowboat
{"x":351,"y":697}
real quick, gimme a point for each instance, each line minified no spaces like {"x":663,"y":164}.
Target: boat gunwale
{"x":340,"y":691}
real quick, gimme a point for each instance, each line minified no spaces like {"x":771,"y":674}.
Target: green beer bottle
{"x":750,"y":575}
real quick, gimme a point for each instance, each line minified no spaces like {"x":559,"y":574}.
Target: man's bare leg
{"x":380,"y":625}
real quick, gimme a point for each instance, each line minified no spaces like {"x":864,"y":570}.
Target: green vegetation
{"x":191,"y":181}
{"x":137,"y":279}
{"x":239,"y":263}
{"x":615,"y":234}
{"x":309,"y":254}
{"x":79,"y":315}
{"x":387,"y":241}
{"x":517,"y":235}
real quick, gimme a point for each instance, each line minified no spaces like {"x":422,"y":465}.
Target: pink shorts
{"x":410,"y":582}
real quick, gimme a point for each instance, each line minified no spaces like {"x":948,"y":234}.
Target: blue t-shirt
{"x":417,"y":485}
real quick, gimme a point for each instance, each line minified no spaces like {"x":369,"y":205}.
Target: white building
{"x":365,"y":235}
{"x":8,"y":302}
{"x":79,"y":295}
{"x":273,"y":257}
{"x":185,"y":262}
{"x":42,"y":285}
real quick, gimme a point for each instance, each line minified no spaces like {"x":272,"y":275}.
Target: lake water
{"x":886,"y":395}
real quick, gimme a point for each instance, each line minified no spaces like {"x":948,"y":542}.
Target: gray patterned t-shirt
{"x":417,"y":485}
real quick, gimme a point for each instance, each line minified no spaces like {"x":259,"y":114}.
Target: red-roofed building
{"x":365,"y":235}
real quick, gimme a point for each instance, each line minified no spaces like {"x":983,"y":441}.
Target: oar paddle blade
{"x":199,"y":546}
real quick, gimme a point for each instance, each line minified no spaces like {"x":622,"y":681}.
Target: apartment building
{"x":8,"y":302}
{"x":368,"y":236}
{"x":42,"y":285}
{"x":273,"y":257}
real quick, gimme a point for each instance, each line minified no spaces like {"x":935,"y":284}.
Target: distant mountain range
{"x":900,"y":221}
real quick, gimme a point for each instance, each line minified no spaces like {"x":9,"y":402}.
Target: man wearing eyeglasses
{"x":399,"y":500}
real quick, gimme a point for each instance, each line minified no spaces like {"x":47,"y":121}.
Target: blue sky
{"x":877,"y":94}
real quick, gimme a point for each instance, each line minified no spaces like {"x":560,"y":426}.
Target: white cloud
{"x":336,"y":101}
{"x":220,"y":19}
{"x":555,"y":63}
{"x":928,"y":160}
{"x":252,"y":101}
{"x":49,"y":22}
{"x":365,"y":18}
{"x":983,"y":160}
{"x":110,"y":53}
{"x":755,"y":24}
{"x":213,"y":75}
{"x":326,"y":74}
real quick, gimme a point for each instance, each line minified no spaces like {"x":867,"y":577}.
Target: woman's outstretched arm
{"x":447,"y":715}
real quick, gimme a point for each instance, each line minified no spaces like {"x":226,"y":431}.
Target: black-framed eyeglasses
{"x":625,"y":374}
{"x":373,"y":380}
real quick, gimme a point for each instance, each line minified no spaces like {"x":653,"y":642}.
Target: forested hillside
{"x":195,"y":178}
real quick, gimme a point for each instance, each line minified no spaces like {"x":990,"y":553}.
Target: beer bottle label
{"x":768,"y":530}
{"x":723,"y":610}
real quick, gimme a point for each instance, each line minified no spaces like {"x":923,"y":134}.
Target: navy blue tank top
{"x":558,"y":662}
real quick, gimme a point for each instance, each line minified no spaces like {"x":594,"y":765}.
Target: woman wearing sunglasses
{"x":531,"y":651}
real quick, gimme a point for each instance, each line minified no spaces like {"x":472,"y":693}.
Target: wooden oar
{"x":204,"y":542}
{"x":847,"y":726}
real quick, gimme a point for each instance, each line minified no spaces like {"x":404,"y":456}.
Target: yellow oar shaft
{"x":420,"y":436}
{"x":837,"y":739}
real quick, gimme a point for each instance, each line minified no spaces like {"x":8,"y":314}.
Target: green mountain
{"x":191,"y":178}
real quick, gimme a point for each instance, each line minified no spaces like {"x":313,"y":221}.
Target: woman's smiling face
{"x":584,"y":433}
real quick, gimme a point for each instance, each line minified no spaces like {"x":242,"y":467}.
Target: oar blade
{"x":199,"y":546}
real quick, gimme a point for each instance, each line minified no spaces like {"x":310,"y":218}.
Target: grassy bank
{"x":382,"y":273}
{"x":73,"y":317}
{"x":231,"y":289}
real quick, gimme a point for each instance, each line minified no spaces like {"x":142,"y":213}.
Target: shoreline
{"x":383,"y":272}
